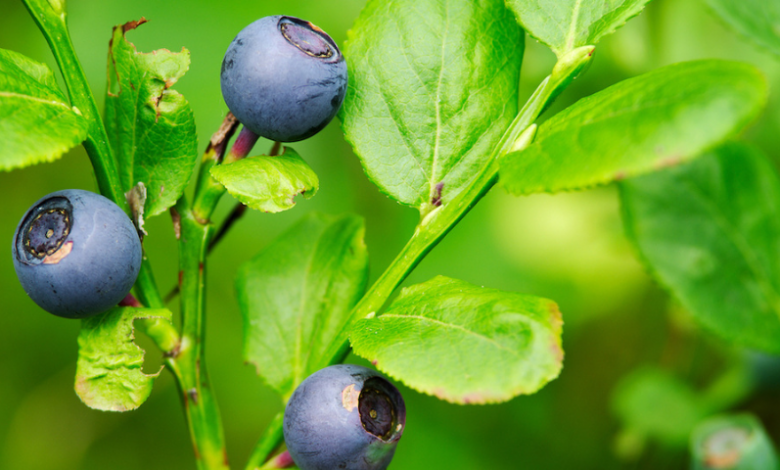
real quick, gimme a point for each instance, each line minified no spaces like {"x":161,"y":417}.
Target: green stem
{"x":208,"y":191}
{"x":199,"y":403}
{"x":436,"y":222}
{"x":188,"y":362}
{"x":183,"y":356}
{"x":160,"y":331}
{"x":266,"y":445}
{"x":50,"y":16}
{"x":51,"y":20}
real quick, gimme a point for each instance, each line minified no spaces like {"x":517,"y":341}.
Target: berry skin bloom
{"x":344,"y":417}
{"x":76,"y":253}
{"x":283,"y":78}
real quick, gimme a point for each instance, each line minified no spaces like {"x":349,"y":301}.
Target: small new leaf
{"x":297,"y":294}
{"x":268,"y":184}
{"x":463,"y":343}
{"x":150,"y":126}
{"x":564,"y":25}
{"x":109,"y":373}
{"x":36,"y":122}
{"x":646,"y":123}
{"x":432,"y":88}
{"x":708,"y":231}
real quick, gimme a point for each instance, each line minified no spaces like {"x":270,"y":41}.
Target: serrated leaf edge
{"x":484,"y":397}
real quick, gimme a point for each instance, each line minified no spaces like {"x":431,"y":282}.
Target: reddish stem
{"x":282,"y":460}
{"x":130,"y":301}
{"x":242,"y":146}
{"x":275,"y":149}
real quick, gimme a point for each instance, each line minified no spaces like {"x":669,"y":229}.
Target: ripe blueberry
{"x":76,"y":253}
{"x":344,"y":417}
{"x":283,"y":78}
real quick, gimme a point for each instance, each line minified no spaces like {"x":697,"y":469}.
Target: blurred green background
{"x":569,"y":248}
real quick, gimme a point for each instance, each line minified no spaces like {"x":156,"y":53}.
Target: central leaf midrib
{"x":298,"y":366}
{"x":742,"y":246}
{"x":454,"y":327}
{"x":575,"y":18}
{"x":437,"y":103}
{"x":11,"y":94}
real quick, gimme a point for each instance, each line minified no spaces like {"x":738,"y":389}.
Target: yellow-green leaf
{"x":109,"y":373}
{"x":268,"y":184}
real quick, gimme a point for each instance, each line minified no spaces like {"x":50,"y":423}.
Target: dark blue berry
{"x":283,"y":78}
{"x":344,"y":417}
{"x":76,"y":253}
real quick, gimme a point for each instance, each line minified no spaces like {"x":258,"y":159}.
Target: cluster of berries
{"x":77,"y":254}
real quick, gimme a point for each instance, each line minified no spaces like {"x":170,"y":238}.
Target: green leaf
{"x":432,"y":88}
{"x":268,"y":184}
{"x":564,"y":25}
{"x":642,"y":124}
{"x":109,"y":373}
{"x":709,"y":232}
{"x":757,"y":20}
{"x":36,"y":122}
{"x":654,"y":404}
{"x":733,"y":442}
{"x":463,"y":343}
{"x":296,"y":295}
{"x":151,"y":127}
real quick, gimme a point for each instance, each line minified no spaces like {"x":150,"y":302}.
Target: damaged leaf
{"x":109,"y":373}
{"x":268,"y":184}
{"x":36,"y":122}
{"x":464,"y":343}
{"x":150,"y":126}
{"x":136,"y":199}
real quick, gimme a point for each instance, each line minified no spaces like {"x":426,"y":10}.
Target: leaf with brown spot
{"x":432,"y":88}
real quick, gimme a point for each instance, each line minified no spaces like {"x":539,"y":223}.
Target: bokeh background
{"x":569,"y":248}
